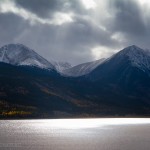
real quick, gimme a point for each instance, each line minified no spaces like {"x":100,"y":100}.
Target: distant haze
{"x":75,"y":31}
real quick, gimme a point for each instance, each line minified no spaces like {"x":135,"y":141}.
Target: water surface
{"x":75,"y":134}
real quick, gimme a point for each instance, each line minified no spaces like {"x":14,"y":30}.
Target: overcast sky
{"x":75,"y":31}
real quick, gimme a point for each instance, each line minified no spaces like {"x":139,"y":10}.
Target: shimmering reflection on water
{"x":75,"y":134}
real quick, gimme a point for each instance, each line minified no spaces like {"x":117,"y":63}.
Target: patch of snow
{"x":18,"y":54}
{"x":61,"y":66}
{"x":139,"y":58}
{"x":82,"y":69}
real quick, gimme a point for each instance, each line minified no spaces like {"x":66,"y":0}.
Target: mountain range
{"x":33,"y":87}
{"x":20,"y":55}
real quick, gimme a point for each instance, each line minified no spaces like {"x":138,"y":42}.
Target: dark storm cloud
{"x":29,"y":22}
{"x":128,"y":17}
{"x":43,"y":8}
{"x":84,"y":32}
{"x":47,"y":8}
{"x":10,"y":27}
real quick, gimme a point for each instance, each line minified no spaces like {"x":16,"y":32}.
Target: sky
{"x":75,"y":31}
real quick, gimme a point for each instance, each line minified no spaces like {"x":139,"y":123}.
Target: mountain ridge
{"x":82,"y":69}
{"x":119,"y":86}
{"x":127,"y":56}
{"x":19,"y":54}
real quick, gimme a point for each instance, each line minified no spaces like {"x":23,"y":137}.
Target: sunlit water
{"x":75,"y":134}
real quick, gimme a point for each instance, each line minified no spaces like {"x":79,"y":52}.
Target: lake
{"x":75,"y":134}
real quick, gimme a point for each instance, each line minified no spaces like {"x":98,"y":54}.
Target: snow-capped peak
{"x":18,"y":54}
{"x":139,"y":57}
{"x":131,"y":50}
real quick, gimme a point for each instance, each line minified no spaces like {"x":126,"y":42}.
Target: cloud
{"x":46,"y":8}
{"x":42,"y":8}
{"x":102,"y":52}
{"x":75,"y":30}
{"x":57,"y":19}
{"x":130,"y":19}
{"x":10,"y":27}
{"x":89,"y":4}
